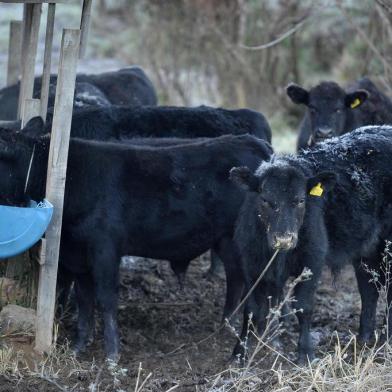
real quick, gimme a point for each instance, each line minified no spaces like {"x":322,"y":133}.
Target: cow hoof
{"x":78,"y":349}
{"x":112,"y":360}
{"x":239,"y":355}
{"x":304,"y":360}
{"x":366,"y":340}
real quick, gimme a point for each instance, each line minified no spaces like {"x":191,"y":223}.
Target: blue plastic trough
{"x":21,"y":228}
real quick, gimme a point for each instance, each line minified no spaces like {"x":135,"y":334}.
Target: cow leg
{"x":214,"y":266}
{"x":369,"y":297}
{"x":64,"y":284}
{"x":106,"y":262}
{"x":304,"y":294}
{"x":229,"y":255}
{"x":258,"y":304}
{"x":84,"y":288}
{"x":251,"y":311}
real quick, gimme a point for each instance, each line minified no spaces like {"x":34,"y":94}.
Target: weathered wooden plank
{"x":47,"y":59}
{"x":37,"y":1}
{"x":85,"y":26}
{"x":6,"y":123}
{"x":14,"y":52}
{"x":26,"y":29}
{"x":31,"y":26}
{"x":55,"y":184}
{"x":32,"y":108}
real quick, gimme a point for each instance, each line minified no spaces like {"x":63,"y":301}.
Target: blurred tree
{"x":244,"y":52}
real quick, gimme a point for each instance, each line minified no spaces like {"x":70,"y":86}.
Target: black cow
{"x":128,"y":86}
{"x":333,"y":111}
{"x":124,"y":122}
{"x":86,"y":94}
{"x":169,"y":203}
{"x":331,"y":204}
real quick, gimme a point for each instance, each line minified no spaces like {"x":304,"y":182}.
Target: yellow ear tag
{"x":355,"y":103}
{"x":317,"y":190}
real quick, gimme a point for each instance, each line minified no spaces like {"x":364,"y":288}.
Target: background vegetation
{"x":235,"y":53}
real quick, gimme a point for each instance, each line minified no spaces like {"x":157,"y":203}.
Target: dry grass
{"x":347,"y":368}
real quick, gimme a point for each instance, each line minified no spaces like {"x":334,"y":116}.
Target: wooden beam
{"x":32,"y":108}
{"x":47,"y":60}
{"x":14,"y":52}
{"x":37,"y":1}
{"x":29,"y":52}
{"x":55,"y":185}
{"x":26,"y":29}
{"x":85,"y":26}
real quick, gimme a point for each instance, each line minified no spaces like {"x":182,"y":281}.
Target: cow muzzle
{"x":323,"y":133}
{"x":284,"y":241}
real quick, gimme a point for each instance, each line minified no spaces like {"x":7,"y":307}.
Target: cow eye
{"x":265,"y":202}
{"x":338,"y":110}
{"x":269,"y":204}
{"x":301,"y":202}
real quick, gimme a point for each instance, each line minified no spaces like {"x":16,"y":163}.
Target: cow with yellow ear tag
{"x":328,"y":205}
{"x":332,"y":110}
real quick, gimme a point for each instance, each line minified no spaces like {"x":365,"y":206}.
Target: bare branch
{"x":277,"y":40}
{"x":364,"y":37}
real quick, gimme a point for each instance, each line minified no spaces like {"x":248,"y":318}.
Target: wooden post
{"x":55,"y":184}
{"x":47,"y":60}
{"x":85,"y":26}
{"x":29,"y":52}
{"x":31,"y":21}
{"x":32,"y":108}
{"x":14,"y":52}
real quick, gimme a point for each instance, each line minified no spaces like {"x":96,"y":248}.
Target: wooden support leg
{"x":14,"y":52}
{"x":31,"y":21}
{"x":85,"y":26}
{"x":55,"y":184}
{"x":47,"y":60}
{"x":32,"y":108}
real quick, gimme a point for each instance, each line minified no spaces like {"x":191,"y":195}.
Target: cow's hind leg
{"x":105,"y":264}
{"x":84,"y":288}
{"x":227,"y":251}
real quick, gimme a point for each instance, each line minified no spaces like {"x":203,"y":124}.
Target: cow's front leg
{"x":369,"y":297}
{"x":304,"y":294}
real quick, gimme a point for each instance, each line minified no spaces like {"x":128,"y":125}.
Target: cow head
{"x":328,"y":107}
{"x":15,"y":154}
{"x":282,"y":193}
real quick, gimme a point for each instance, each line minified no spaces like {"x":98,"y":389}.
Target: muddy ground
{"x":161,"y":324}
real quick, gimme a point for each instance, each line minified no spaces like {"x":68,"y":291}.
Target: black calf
{"x":329,"y":205}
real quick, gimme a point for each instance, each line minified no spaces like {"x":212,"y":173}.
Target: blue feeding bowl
{"x":22,"y":227}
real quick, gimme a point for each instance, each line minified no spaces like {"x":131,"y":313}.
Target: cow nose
{"x":323,"y":133}
{"x":284,"y":241}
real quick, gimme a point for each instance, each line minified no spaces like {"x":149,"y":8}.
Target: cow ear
{"x":34,"y":128}
{"x":356,"y":98}
{"x":244,"y":178}
{"x":297,"y":94}
{"x":322,"y":183}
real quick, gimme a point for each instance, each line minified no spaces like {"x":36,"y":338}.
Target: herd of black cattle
{"x":173,"y":182}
